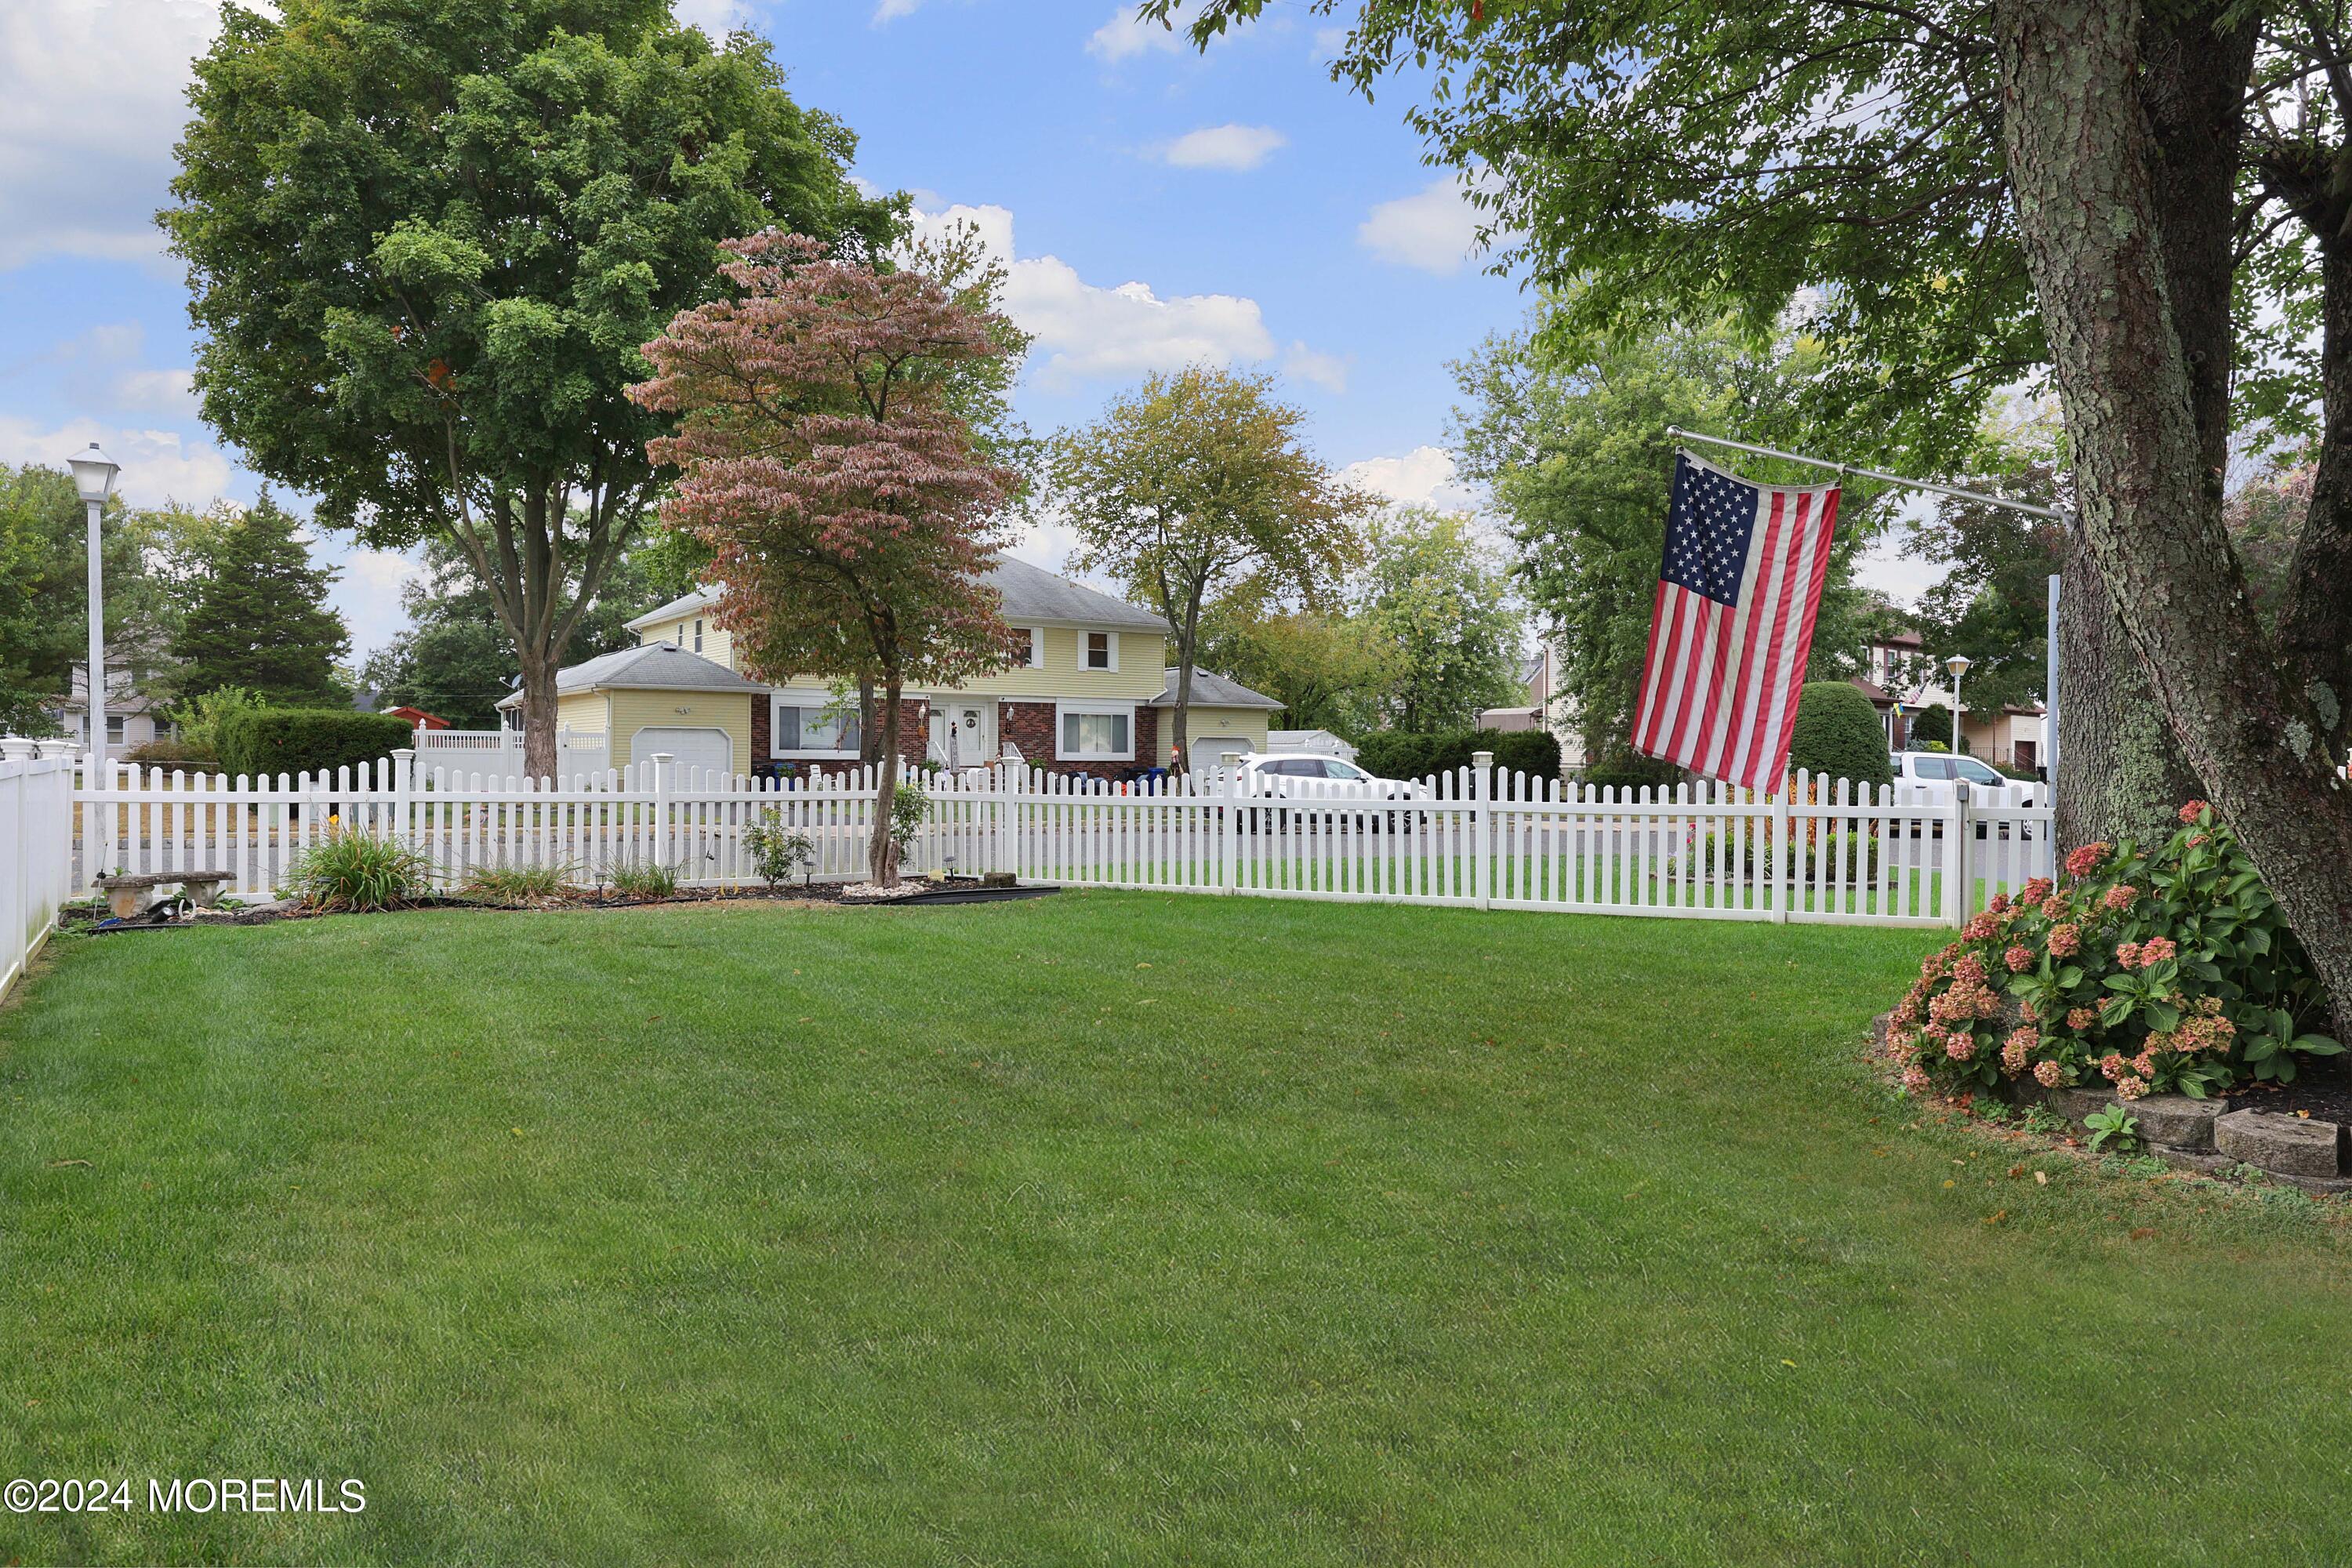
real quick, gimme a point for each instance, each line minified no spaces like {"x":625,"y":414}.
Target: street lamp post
{"x":1958,"y":665}
{"x":93,"y":473}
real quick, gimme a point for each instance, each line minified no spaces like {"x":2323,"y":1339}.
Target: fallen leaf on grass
{"x":1786,"y":1362}
{"x":56,"y":1165}
{"x":2142,"y":1232}
{"x":2041,"y":1178}
{"x":1996,"y":1217}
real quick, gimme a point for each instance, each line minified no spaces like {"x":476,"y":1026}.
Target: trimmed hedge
{"x":1402,"y":755}
{"x":1837,"y":735}
{"x":1931,"y":727}
{"x":273,"y":741}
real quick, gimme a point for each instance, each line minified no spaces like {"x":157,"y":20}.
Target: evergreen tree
{"x":260,"y":618}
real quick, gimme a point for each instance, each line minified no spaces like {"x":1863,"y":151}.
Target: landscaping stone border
{"x":2207,"y":1136}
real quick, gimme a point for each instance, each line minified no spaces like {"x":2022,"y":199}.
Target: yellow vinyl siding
{"x":717,"y":646}
{"x":727,"y":711}
{"x":1214,"y":723}
{"x":1140,"y":675}
{"x":584,"y":712}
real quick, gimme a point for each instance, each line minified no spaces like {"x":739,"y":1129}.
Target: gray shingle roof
{"x":1031,"y":594}
{"x":655,"y":667}
{"x":1213,"y":690}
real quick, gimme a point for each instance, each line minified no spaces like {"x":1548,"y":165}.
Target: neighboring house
{"x":418,"y":717}
{"x":132,"y":717}
{"x":1548,"y":707}
{"x":1903,"y":680}
{"x":1087,"y":695}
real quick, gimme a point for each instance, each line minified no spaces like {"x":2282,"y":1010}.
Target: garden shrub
{"x":259,"y":741}
{"x":1838,"y":735}
{"x":2169,"y":972}
{"x":1931,"y":729}
{"x":347,"y":871}
{"x":166,"y":752}
{"x":778,"y":851}
{"x":517,"y":887}
{"x":650,"y":879}
{"x":198,"y":719}
{"x":1414,"y":754}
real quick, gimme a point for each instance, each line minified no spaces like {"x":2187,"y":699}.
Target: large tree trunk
{"x":881,"y":853}
{"x":538,"y":666}
{"x":2082,"y":156}
{"x":2120,"y":771}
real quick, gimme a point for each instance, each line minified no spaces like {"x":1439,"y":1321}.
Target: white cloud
{"x":1433,"y":229}
{"x":157,"y":392}
{"x":1422,"y":476}
{"x":91,"y":101}
{"x":367,"y":594}
{"x":716,"y":17}
{"x":1235,"y":147}
{"x":157,"y":465}
{"x":1123,"y":38}
{"x":1084,"y":329}
{"x":891,"y":10}
{"x":1327,"y":371}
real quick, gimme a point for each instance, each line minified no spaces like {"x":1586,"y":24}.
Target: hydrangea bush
{"x":2163,"y":971}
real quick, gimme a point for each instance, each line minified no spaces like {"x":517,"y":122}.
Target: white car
{"x":1933,"y":775}
{"x":1303,"y":775}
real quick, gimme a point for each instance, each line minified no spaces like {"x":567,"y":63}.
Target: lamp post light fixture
{"x":1958,"y":665}
{"x":93,"y":473}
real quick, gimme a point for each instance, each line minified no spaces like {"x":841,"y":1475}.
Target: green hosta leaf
{"x":2163,"y":1015}
{"x":2318,"y":1046}
{"x":2256,"y":939}
{"x":2069,"y":976}
{"x":2122,"y":982}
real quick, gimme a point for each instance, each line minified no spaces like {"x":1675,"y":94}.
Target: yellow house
{"x":658,"y":698}
{"x":1087,"y":693}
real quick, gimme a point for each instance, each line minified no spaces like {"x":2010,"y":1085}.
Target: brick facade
{"x":914,"y":718}
{"x":1030,"y":726}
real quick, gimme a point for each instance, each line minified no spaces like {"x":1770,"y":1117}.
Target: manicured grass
{"x":1110,"y":1229}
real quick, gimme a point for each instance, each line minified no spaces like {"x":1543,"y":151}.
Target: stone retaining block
{"x":2284,"y":1145}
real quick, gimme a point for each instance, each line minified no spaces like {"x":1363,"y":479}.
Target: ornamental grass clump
{"x":357,"y":871}
{"x":2163,"y":971}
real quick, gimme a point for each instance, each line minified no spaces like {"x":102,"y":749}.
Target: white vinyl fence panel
{"x":1826,"y":851}
{"x":36,"y":809}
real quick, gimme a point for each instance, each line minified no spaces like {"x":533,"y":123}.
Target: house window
{"x":114,"y":729}
{"x":1102,"y":651}
{"x":1028,"y":648}
{"x":1095,"y":733}
{"x":812,"y":726}
{"x":697,"y":635}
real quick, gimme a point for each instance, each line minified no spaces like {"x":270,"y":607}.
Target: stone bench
{"x":129,"y":897}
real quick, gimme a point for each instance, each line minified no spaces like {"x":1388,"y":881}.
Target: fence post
{"x":1482,"y":828}
{"x":403,"y":773}
{"x":1780,"y":889}
{"x":1229,"y":828}
{"x":660,"y":762}
{"x":1960,"y":834}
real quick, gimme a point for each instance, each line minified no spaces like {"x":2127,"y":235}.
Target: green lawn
{"x":1110,"y":1229}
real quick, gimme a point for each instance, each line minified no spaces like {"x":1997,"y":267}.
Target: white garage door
{"x":693,"y":748}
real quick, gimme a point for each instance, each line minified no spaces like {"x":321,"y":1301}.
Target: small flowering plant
{"x":2164,"y":972}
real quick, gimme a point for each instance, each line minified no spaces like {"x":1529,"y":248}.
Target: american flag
{"x":1737,"y":591}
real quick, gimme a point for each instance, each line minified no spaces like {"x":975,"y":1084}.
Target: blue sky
{"x":1156,"y":207}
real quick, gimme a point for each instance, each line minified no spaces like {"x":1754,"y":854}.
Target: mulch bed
{"x":955,"y":891}
{"x":2322,"y":1088}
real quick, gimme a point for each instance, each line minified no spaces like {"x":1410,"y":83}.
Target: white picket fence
{"x":37,"y":863}
{"x":498,"y":753}
{"x":1822,"y":851}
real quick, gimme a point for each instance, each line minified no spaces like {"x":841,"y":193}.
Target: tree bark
{"x":537,"y":667}
{"x":2315,"y":630}
{"x":869,"y":741}
{"x":881,"y":853}
{"x":2081,"y":155}
{"x":2120,"y":771}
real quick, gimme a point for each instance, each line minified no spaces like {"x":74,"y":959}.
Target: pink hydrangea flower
{"x":2034,"y":892}
{"x":2066,"y":941}
{"x":2047,"y":1074}
{"x":2121,"y":897}
{"x":2190,"y":811}
{"x":2086,"y":860}
{"x":2156,"y":950}
{"x":1959,"y":1048}
{"x":2130,"y":1087}
{"x":2081,"y":1018}
{"x":2127,"y":954}
{"x":2019,"y":958}
{"x":2144,"y":1064}
{"x":2113,"y":1065}
{"x":1916,"y":1079}
{"x":2053,"y":908}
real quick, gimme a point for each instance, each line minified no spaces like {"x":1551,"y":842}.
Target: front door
{"x":963,"y":732}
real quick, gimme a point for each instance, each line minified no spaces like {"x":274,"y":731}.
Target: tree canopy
{"x":1199,"y":484}
{"x":425,"y":243}
{"x":258,"y":618}
{"x":850,"y":509}
{"x":1437,"y":602}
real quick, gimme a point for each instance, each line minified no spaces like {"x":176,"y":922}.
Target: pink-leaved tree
{"x":852,"y":514}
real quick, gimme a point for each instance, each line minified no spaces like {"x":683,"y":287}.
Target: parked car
{"x":1933,"y":775}
{"x":1300,"y":775}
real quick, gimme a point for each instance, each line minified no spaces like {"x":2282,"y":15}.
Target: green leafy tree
{"x":1567,"y":429}
{"x":1196,"y":485}
{"x":2143,"y":199}
{"x":260,"y":617}
{"x":1323,"y":666}
{"x":425,"y":243}
{"x":1992,"y":602}
{"x":455,"y":659}
{"x":1439,"y":603}
{"x":45,"y":595}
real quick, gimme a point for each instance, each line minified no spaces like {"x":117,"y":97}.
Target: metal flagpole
{"x":1880,"y":474}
